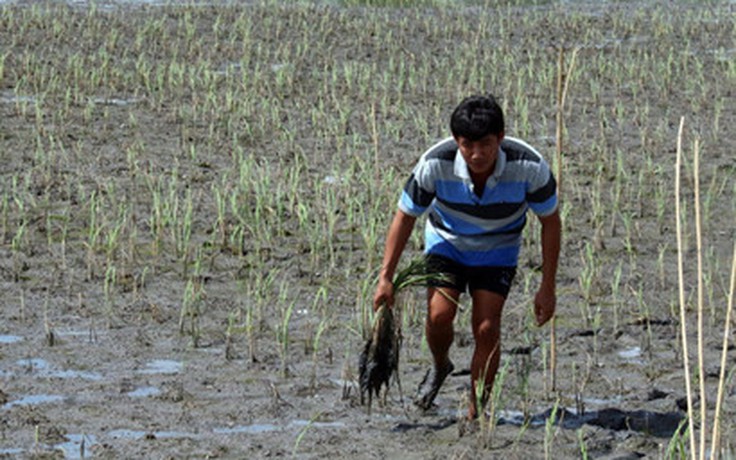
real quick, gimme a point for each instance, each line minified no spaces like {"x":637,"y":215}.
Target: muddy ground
{"x":94,"y":363}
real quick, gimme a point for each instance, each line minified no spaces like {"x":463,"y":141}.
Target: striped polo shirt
{"x":472,"y":230}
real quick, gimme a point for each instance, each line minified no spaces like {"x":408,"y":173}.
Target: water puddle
{"x":114,"y":101}
{"x":138,"y":434}
{"x":76,"y":445}
{"x":43,"y":369}
{"x":144,"y":392}
{"x":340,"y":383}
{"x":70,"y":374}
{"x":33,"y":364}
{"x":631,"y":355}
{"x":162,"y":366}
{"x":247,"y":429}
{"x":303,"y":423}
{"x":600,"y":402}
{"x":8,"y":339}
{"x":33,"y":400}
{"x":332,"y":180}
{"x":9,"y":97}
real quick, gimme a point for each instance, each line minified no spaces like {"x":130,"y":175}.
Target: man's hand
{"x":384,"y":294}
{"x":544,"y":305}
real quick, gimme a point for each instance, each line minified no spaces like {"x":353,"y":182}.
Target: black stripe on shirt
{"x":444,"y":152}
{"x":436,"y":222}
{"x":516,"y":152}
{"x":543,"y":193}
{"x":418,"y":195}
{"x":484,"y":211}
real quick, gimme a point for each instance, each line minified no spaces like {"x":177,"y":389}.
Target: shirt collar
{"x":461,"y":167}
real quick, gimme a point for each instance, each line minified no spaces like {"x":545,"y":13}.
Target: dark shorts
{"x":462,"y":277}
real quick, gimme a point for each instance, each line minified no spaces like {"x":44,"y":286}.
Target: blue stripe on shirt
{"x":503,"y":192}
{"x":507,"y":256}
{"x":408,"y":206}
{"x":544,"y":208}
{"x":458,"y":226}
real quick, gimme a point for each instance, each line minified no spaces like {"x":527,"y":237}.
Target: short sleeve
{"x":541,"y":194}
{"x":419,"y":190}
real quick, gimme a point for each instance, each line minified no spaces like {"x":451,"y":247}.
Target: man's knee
{"x":440,"y":317}
{"x":442,"y":306}
{"x":487,"y":331}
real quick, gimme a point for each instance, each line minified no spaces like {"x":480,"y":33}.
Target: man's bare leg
{"x":487,"y":308}
{"x":442,"y":306}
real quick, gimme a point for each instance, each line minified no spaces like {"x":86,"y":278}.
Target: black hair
{"x":476,"y":117}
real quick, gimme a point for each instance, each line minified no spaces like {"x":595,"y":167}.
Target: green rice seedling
{"x":323,"y":325}
{"x":629,"y":246}
{"x":250,"y":328}
{"x":47,"y":326}
{"x":22,"y":305}
{"x":488,"y":421}
{"x":597,"y":327}
{"x":4,"y":217}
{"x":645,"y":315}
{"x":286,"y":309}
{"x":182,"y":232}
{"x":587,"y":279}
{"x":164,"y":207}
{"x":232,"y":327}
{"x":579,"y":383}
{"x":546,"y":366}
{"x":716,"y":189}
{"x":364,"y":311}
{"x":109,"y":291}
{"x":3,"y":58}
{"x":661,"y":263}
{"x":581,"y":443}
{"x":615,"y":287}
{"x":550,"y":432}
{"x":220,"y":226}
{"x":16,"y":246}
{"x":191,"y":310}
{"x":303,"y":432}
{"x":523,"y":373}
{"x":677,"y":445}
{"x":112,"y":236}
{"x":94,"y":228}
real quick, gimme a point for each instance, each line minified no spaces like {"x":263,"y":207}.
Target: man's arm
{"x":398,"y":234}
{"x":546,"y":300}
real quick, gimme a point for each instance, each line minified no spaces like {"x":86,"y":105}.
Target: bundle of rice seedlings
{"x":379,"y":360}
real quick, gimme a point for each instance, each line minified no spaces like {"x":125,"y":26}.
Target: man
{"x":477,"y":187}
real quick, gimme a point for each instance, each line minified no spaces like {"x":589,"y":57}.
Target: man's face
{"x":480,"y":155}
